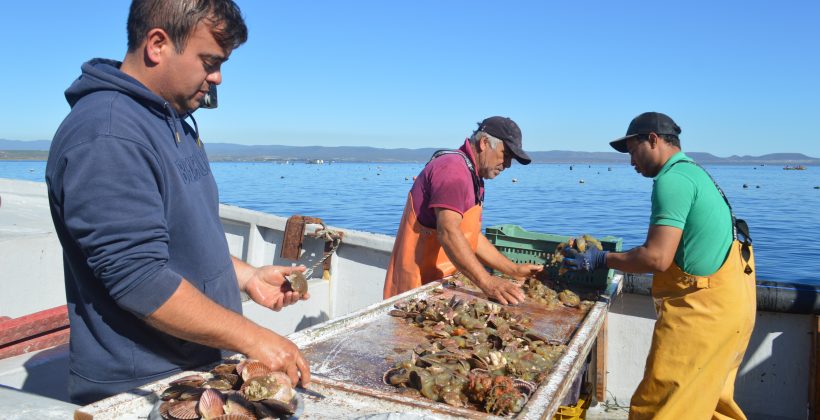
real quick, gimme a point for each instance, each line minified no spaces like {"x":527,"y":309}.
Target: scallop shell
{"x":278,"y":406}
{"x":273,"y":386}
{"x":524,"y":387}
{"x":183,"y":410}
{"x":224,"y":369}
{"x":163,"y":408}
{"x":220,"y":383}
{"x":191,"y":394}
{"x":395,"y":377}
{"x":253,"y":369}
{"x":174,"y":391}
{"x":210,"y":404}
{"x":233,"y":417}
{"x":264,"y":412}
{"x":190,"y":380}
{"x":241,"y":366}
{"x":298,"y":282}
{"x":236,"y":403}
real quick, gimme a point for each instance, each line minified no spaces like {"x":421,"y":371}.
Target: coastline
{"x":42,"y":156}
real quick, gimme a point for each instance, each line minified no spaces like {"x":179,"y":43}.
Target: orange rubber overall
{"x":418,"y":257}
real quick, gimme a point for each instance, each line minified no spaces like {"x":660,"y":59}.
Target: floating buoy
{"x":282,"y":177}
{"x":745,"y":186}
{"x":609,"y":169}
{"x":570,"y":167}
{"x":757,"y":186}
{"x":406,"y":178}
{"x":515,"y":180}
{"x":581,"y":181}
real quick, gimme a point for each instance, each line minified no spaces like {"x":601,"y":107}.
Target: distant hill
{"x":24,"y":145}
{"x":228,"y":151}
{"x":38,"y":150}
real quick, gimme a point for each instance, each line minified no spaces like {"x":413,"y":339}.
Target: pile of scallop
{"x":477,"y":354}
{"x":231,"y":391}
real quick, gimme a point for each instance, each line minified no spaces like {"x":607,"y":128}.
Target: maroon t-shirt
{"x":446,"y":183}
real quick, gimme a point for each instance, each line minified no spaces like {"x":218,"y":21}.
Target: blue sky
{"x":740,"y":77}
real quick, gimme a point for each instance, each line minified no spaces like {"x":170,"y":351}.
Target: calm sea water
{"x":781,"y":207}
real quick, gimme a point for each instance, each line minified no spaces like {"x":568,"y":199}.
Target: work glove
{"x":588,"y":260}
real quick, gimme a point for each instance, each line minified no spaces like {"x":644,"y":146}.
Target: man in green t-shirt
{"x":703,"y":284}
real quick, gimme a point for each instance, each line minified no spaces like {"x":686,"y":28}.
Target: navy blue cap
{"x":648,"y":122}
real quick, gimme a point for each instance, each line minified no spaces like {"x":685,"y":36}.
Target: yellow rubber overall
{"x":703,"y":327}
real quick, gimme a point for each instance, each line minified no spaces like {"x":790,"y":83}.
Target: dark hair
{"x":178,"y":18}
{"x":671,"y":139}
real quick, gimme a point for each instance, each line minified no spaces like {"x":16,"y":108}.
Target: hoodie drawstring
{"x":172,"y":124}
{"x":196,"y":130}
{"x":171,"y":121}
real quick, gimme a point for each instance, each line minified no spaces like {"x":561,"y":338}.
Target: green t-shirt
{"x":683,"y":196}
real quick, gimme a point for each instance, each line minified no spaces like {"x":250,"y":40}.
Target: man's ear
{"x":483,"y":144}
{"x":157,"y":45}
{"x":653,"y":140}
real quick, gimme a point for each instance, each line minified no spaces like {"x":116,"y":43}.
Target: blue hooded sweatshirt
{"x":136,"y":209}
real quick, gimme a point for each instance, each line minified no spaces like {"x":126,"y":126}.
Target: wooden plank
{"x":33,"y":325}
{"x":40,"y":342}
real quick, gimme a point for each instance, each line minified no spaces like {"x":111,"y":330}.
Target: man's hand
{"x":588,"y":260}
{"x":267,"y":286}
{"x":280,"y":354}
{"x":523,"y":271}
{"x":502,"y":291}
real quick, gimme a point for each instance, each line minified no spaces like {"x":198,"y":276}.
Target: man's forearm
{"x":461,"y":255}
{"x":490,"y":256}
{"x":243,"y":270}
{"x":656,"y":254}
{"x":636,"y":260}
{"x":190,"y":315}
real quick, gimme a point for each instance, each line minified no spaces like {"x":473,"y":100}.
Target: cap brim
{"x":524,"y":160}
{"x":521,"y":156}
{"x":620,"y":144}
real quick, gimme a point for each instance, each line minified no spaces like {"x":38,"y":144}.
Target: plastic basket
{"x":522,"y":246}
{"x":572,"y":412}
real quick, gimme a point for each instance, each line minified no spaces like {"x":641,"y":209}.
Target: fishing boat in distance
{"x":777,"y":380}
{"x":794,"y":168}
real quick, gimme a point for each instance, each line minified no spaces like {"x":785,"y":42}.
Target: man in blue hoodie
{"x":151,"y":287}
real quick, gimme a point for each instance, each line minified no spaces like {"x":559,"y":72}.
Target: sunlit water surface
{"x":781,"y":207}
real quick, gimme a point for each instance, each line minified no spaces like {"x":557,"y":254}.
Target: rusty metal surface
{"x":292,"y":238}
{"x":352,"y":354}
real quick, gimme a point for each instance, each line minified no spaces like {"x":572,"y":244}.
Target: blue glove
{"x":589,"y":260}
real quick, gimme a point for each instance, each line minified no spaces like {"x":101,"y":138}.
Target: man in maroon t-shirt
{"x":440,"y":230}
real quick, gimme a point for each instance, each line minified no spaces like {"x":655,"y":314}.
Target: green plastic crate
{"x":522,"y":246}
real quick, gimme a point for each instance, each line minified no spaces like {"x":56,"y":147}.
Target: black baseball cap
{"x":507,"y":131}
{"x":648,"y":122}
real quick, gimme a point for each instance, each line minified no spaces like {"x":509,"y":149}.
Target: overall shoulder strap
{"x":479,"y":197}
{"x":740,"y":229}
